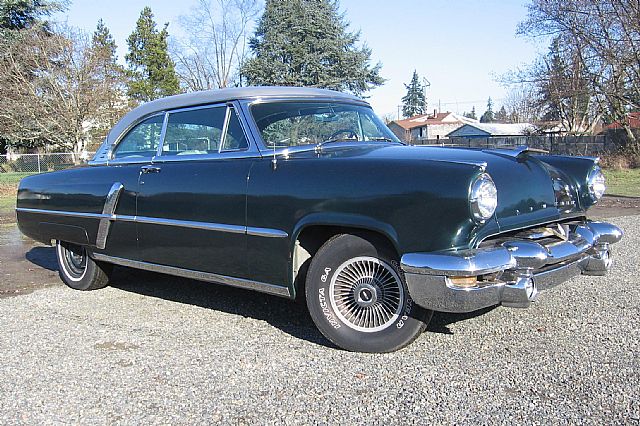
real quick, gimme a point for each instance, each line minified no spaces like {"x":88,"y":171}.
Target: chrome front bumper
{"x":512,"y":271}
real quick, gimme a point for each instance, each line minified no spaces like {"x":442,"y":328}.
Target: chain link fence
{"x":562,"y":145}
{"x":40,"y":163}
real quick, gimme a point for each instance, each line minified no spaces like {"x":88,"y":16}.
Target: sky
{"x":460,"y":46}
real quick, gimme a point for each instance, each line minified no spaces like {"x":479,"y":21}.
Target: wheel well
{"x":313,"y":237}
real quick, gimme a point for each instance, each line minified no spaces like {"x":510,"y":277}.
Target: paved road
{"x":152,"y":349}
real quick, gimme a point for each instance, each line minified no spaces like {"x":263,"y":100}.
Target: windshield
{"x":285,"y":124}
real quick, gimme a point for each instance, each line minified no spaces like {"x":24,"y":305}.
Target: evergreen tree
{"x":488,"y":117}
{"x":502,"y":116}
{"x":109,"y":78}
{"x":471,"y":114}
{"x":414,"y":102}
{"x":151,"y":71}
{"x":307,"y":43}
{"x":23,"y":14}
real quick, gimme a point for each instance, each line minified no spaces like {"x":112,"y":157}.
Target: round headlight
{"x":483,"y":197}
{"x":596,"y":183}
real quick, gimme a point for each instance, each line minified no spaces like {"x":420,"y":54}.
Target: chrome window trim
{"x":111,"y":160}
{"x":251,"y":147}
{"x":225,"y":129}
{"x":225,"y":155}
{"x":197,"y":275}
{"x":163,"y":133}
{"x":209,"y":226}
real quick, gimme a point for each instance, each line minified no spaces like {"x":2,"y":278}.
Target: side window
{"x":235,"y":139}
{"x":141,"y":141}
{"x":194,"y":132}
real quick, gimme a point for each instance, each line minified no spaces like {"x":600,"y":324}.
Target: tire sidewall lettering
{"x":326,"y":309}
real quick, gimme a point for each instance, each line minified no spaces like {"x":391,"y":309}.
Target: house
{"x":633,"y":119}
{"x":490,"y":130}
{"x":428,"y":126}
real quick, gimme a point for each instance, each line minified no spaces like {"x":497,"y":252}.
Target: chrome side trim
{"x":208,"y":226}
{"x":197,"y":275}
{"x":234,"y":229}
{"x":266,"y":232}
{"x":108,"y":210}
{"x":63,"y":213}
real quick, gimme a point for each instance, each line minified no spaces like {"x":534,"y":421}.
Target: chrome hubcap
{"x":75,"y":259}
{"x":366,"y":294}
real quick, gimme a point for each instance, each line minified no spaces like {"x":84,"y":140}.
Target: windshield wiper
{"x":321,"y":144}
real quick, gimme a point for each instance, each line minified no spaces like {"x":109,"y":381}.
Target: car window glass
{"x":142,"y":141}
{"x":285,"y":124}
{"x":370,"y":129}
{"x":235,"y":139}
{"x":194,"y":132}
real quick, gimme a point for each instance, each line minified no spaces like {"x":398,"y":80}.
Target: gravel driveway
{"x":153,"y":349}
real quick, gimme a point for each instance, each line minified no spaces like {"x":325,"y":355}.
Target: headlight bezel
{"x":596,"y":183}
{"x":481,"y":207}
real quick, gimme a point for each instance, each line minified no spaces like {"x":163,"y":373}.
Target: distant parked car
{"x":305,"y":192}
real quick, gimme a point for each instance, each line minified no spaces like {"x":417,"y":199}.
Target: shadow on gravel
{"x":45,"y":257}
{"x":287,"y":315}
{"x":441,"y":320}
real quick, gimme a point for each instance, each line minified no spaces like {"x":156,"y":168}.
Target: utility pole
{"x":425,"y":83}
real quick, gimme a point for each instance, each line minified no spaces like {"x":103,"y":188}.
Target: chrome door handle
{"x":150,"y":169}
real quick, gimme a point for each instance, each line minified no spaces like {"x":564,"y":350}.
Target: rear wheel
{"x":357,"y":297}
{"x":78,"y":270}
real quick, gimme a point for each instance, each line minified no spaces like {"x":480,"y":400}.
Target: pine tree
{"x":109,"y":79}
{"x":487,"y":117}
{"x":502,"y":116}
{"x":414,"y":102}
{"x":21,"y":14}
{"x":151,"y":70}
{"x":307,"y":43}
{"x":471,"y":114}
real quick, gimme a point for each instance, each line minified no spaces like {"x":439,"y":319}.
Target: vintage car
{"x":304,"y":193}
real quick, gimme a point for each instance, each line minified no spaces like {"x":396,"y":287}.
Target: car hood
{"x":530,"y":191}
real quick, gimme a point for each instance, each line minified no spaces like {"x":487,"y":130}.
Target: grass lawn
{"x":8,"y":188}
{"x":623,"y":182}
{"x":7,"y":204}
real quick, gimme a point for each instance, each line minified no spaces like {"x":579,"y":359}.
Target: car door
{"x":191,"y":206}
{"x":136,"y":148}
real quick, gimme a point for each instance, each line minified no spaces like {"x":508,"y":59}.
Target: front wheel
{"x":358,"y":298}
{"x":78,"y":270}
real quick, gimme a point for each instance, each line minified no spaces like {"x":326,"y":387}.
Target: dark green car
{"x":305,"y":192}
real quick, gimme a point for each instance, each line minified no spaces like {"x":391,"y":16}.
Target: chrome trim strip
{"x":208,"y":226}
{"x":266,"y":232}
{"x":108,"y":210}
{"x":63,"y":213}
{"x":197,"y":275}
{"x":234,"y":229}
{"x":163,"y":133}
{"x":225,"y":129}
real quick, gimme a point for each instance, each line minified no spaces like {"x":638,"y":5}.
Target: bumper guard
{"x":513,"y":271}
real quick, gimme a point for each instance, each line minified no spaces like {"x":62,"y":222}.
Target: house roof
{"x":493,"y":129}
{"x":633,"y":118}
{"x":431,"y":120}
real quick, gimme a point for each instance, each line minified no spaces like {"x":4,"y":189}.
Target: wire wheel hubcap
{"x":366,"y":294}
